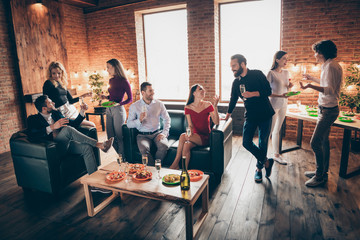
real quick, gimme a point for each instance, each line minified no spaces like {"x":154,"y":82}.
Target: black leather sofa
{"x":40,"y":165}
{"x":212,"y":159}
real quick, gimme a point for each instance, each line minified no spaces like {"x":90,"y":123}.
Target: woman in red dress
{"x":198,"y":113}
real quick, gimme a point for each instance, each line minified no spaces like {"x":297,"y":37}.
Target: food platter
{"x":108,"y":104}
{"x":348,"y":114}
{"x":115,"y":176}
{"x":345,"y":119}
{"x":312,"y":114}
{"x":133,"y":168}
{"x":142,"y":175}
{"x":289,"y":94}
{"x":195,"y":175}
{"x":171,"y":179}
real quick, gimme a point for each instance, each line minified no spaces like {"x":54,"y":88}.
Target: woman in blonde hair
{"x":56,"y":89}
{"x":116,"y":115}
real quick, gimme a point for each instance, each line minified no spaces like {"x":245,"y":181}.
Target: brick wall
{"x":96,"y":37}
{"x":10,"y":112}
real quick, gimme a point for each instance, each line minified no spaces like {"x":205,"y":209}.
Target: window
{"x":252,"y":29}
{"x":167,"y":53}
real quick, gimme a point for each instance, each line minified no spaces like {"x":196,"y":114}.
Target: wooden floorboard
{"x":281,"y":207}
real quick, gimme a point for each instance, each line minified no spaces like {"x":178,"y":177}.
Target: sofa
{"x":211,"y":159}
{"x":40,"y":166}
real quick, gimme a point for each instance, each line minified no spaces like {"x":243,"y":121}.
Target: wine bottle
{"x":184,"y":177}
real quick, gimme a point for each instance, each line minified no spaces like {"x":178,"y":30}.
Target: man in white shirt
{"x":144,"y":115}
{"x":50,"y":124}
{"x":329,"y":91}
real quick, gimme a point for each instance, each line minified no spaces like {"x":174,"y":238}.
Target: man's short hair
{"x":144,"y":85}
{"x":40,"y":102}
{"x":325,"y":47}
{"x":240,"y":58}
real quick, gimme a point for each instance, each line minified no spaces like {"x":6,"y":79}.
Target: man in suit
{"x":50,"y":124}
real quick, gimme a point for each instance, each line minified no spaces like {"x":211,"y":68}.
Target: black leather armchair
{"x":212,"y":159}
{"x":40,"y":165}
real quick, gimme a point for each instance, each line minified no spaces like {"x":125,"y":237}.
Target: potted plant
{"x":96,"y":83}
{"x":351,"y":99}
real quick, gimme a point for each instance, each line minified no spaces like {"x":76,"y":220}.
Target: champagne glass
{"x":119,"y":161}
{"x":298,"y":103}
{"x":188,"y":132}
{"x":158,"y":166}
{"x":242,"y":89}
{"x":144,"y":110}
{"x":144,"y":160}
{"x":126,"y":170}
{"x":303,"y":71}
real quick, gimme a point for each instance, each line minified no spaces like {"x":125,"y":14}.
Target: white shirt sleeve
{"x":332,"y":78}
{"x":48,"y":130}
{"x":166,"y":120}
{"x":133,"y":121}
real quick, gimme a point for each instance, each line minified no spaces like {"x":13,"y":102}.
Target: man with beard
{"x":144,"y":115}
{"x":50,"y":124}
{"x":258,"y":111}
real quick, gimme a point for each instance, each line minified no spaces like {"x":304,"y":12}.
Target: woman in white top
{"x":279,"y":80}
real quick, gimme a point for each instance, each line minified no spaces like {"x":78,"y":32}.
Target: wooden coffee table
{"x":152,"y":189}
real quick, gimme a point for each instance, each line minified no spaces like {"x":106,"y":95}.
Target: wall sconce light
{"x":295,"y":68}
{"x":79,"y":87}
{"x":315,"y":68}
{"x":88,"y":86}
{"x":85,"y":73}
{"x":76,"y":74}
{"x":105,"y":72}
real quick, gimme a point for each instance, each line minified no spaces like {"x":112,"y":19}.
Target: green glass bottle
{"x":184,"y":177}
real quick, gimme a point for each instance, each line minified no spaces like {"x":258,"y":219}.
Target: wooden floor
{"x":282,"y":208}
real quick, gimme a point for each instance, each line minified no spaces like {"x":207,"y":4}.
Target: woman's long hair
{"x":191,"y":94}
{"x":63,"y":80}
{"x":119,"y":69}
{"x":277,"y":56}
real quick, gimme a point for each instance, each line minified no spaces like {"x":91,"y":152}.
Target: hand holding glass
{"x":242,"y":89}
{"x":144,"y":110}
{"x":158,"y":166}
{"x":303,"y":71}
{"x":188,"y":133}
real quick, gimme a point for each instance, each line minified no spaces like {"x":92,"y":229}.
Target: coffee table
{"x":152,"y":189}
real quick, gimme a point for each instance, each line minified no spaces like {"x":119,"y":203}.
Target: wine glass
{"x":158,"y":166}
{"x":119,"y":160}
{"x":242,"y":89}
{"x":126,"y":170}
{"x":188,"y":132}
{"x":144,"y":110}
{"x":303,"y":71}
{"x":144,"y":160}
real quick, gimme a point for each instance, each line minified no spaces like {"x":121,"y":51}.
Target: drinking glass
{"x":126,"y":170}
{"x":303,"y":71}
{"x":144,"y":110}
{"x":144,"y":160}
{"x":119,"y":161}
{"x":158,"y":167}
{"x":242,"y":89}
{"x":188,"y":132}
{"x":298,"y":104}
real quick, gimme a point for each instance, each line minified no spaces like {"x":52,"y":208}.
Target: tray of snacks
{"x":108,"y":104}
{"x":133,"y":168}
{"x":142,"y":175}
{"x":289,"y":94}
{"x":346,"y":119}
{"x":348,"y":114}
{"x":195,"y":175}
{"x":312,"y":114}
{"x":171,"y":179}
{"x":115,"y":176}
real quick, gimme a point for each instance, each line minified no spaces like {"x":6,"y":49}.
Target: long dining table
{"x":301,"y":115}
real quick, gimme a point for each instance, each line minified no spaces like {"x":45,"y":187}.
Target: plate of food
{"x":195,"y":175}
{"x":312,"y":114}
{"x":289,"y":94}
{"x":133,"y":168}
{"x":108,"y":104}
{"x":294,"y":110}
{"x":312,"y":110}
{"x":346,"y":119}
{"x":348,"y":113}
{"x":115,"y":176}
{"x":171,"y":179}
{"x":357,"y":117}
{"x":142,"y":175}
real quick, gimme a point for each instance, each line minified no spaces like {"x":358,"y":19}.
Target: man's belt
{"x":149,"y":133}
